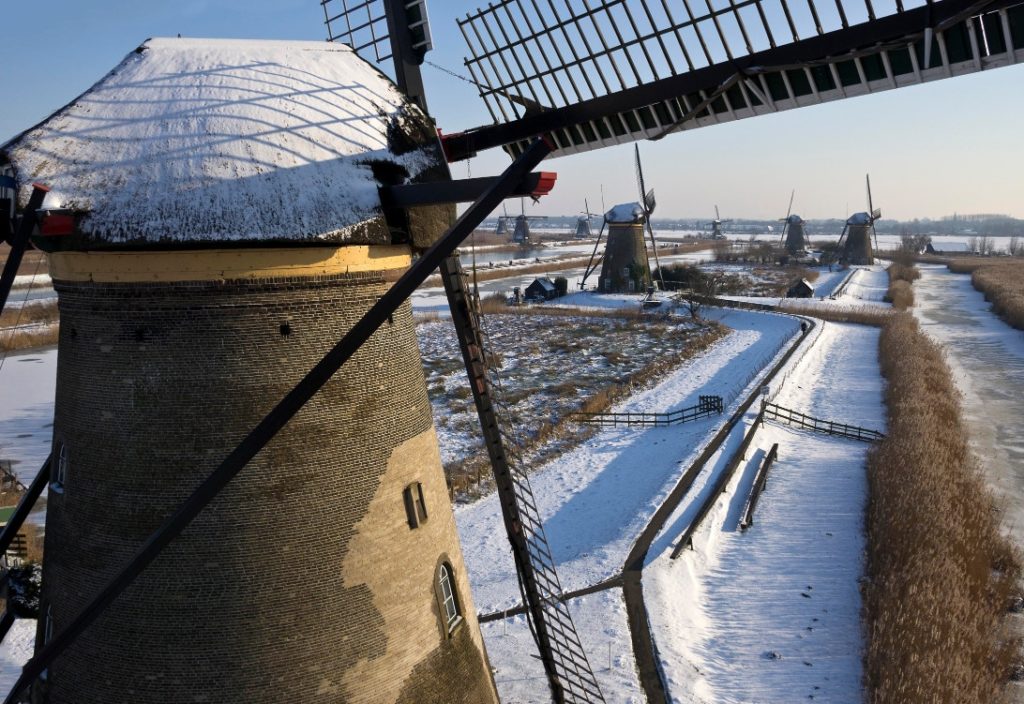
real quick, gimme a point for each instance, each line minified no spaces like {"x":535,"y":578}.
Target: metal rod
{"x":283,"y":412}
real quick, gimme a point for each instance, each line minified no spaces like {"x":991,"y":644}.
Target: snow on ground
{"x":604,"y":634}
{"x":15,"y":651}
{"x":596,"y":499}
{"x":773,"y":614}
{"x":868,"y":284}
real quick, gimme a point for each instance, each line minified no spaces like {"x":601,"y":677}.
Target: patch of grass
{"x":941,"y":572}
{"x":29,"y":338}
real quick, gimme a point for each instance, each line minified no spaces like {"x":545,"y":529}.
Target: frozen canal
{"x":987,"y":359}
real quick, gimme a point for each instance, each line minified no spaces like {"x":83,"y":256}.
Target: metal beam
{"x":466,"y":190}
{"x":283,"y":412}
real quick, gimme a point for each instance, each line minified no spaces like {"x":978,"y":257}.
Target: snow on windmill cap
{"x":795,"y":219}
{"x":191,"y":140}
{"x":625,"y":214}
{"x":859,"y":219}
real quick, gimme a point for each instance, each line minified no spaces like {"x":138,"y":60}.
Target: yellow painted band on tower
{"x":225,"y":264}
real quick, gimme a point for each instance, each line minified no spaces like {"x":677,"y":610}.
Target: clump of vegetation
{"x":863,"y":315}
{"x":1002,"y":282}
{"x":941,"y":573}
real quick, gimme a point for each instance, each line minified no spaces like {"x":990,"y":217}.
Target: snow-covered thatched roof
{"x":208,"y":140}
{"x":859,"y":219}
{"x":627,"y":213}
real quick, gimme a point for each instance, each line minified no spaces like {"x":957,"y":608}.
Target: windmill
{"x":521,"y":232}
{"x":583,"y":220}
{"x":716,"y":226}
{"x":502,"y":226}
{"x":625,"y":266}
{"x":793,"y":233}
{"x":858,"y":233}
{"x":543,"y":109}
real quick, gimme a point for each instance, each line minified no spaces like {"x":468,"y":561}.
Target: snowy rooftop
{"x":625,"y":213}
{"x":213,"y":139}
{"x":795,"y":219}
{"x":859,"y":219}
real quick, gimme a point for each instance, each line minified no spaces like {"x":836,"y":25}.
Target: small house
{"x":542,"y":289}
{"x":802,"y":288}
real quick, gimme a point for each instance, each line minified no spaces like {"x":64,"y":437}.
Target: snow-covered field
{"x":773,"y":614}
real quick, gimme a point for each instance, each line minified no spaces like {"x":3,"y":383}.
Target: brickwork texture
{"x":302,"y":582}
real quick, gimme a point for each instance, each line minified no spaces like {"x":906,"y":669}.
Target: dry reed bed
{"x":941,"y":573}
{"x":900,"y":293}
{"x":31,"y":325}
{"x":1002,"y":282}
{"x":862,"y":315}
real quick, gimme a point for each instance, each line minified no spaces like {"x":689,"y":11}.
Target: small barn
{"x":542,"y":289}
{"x":801,"y":288}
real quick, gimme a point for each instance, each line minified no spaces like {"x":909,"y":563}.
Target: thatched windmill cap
{"x":794,"y":219}
{"x":625,"y":214}
{"x":191,"y":140}
{"x":859,"y":219}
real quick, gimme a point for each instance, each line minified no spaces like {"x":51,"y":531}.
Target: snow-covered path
{"x":773,"y":614}
{"x":596,"y":499}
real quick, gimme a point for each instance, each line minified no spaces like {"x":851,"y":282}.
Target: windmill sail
{"x":621,"y":70}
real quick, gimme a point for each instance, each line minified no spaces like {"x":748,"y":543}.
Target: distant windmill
{"x":583,"y":230}
{"x":793,"y":232}
{"x":716,"y":226}
{"x":502,"y":228}
{"x":521,"y":233}
{"x":858,"y":233}
{"x":625,"y":267}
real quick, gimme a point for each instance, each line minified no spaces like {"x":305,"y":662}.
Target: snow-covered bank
{"x":773,"y":614}
{"x":596,"y":499}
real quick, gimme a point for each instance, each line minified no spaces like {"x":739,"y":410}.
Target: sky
{"x":932,"y":150}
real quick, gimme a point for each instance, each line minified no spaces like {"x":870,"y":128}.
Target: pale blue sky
{"x":955,"y":145}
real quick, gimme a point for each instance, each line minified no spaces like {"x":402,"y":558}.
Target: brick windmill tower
{"x":855,"y":241}
{"x":794,"y":234}
{"x":214,"y":225}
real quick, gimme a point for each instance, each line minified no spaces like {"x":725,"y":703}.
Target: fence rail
{"x":758,"y":487}
{"x":774,"y":411}
{"x":708,"y":405}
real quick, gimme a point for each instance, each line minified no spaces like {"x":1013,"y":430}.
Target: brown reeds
{"x":940,"y":571}
{"x":32,"y":325}
{"x":875,"y":316}
{"x":901,"y":275}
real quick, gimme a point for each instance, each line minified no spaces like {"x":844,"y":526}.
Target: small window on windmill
{"x":415,"y":506}
{"x":59,"y":468}
{"x":625,"y":272}
{"x":632,"y":285}
{"x":608,"y":283}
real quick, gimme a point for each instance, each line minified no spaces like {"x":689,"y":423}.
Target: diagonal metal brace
{"x":283,"y":412}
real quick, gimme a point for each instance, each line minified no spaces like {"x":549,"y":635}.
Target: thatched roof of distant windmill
{"x":189,"y":140}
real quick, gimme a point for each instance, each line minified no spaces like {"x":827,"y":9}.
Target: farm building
{"x":542,"y":288}
{"x":801,"y":288}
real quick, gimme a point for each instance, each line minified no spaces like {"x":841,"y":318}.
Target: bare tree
{"x":972,"y":244}
{"x":1014,"y":247}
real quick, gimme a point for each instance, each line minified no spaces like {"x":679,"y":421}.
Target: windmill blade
{"x":650,"y":203}
{"x":592,"y":264}
{"x":842,"y":234}
{"x":789,"y":212}
{"x":717,"y":216}
{"x":639,"y":172}
{"x":867,"y":177}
